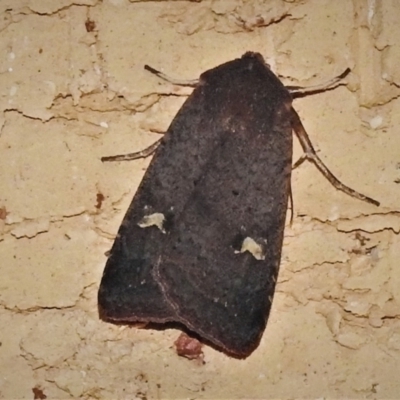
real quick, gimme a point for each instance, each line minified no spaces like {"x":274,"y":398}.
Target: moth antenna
{"x":332,"y":83}
{"x":174,"y":81}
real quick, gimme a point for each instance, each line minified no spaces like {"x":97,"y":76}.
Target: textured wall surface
{"x":73,"y":89}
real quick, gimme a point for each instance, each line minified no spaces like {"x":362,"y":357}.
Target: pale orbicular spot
{"x":155,"y":219}
{"x":257,"y":250}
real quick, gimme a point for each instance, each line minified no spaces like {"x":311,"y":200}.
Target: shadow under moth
{"x":200,"y":244}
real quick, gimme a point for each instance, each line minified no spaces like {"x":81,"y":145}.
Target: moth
{"x":200,"y":245}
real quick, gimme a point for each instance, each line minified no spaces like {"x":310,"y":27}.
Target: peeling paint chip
{"x":376,"y":122}
{"x":156,"y":219}
{"x":250,"y":245}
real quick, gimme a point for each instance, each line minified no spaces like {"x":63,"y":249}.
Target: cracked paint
{"x":73,"y":89}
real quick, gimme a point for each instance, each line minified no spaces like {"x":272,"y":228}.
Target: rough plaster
{"x":73,"y":89}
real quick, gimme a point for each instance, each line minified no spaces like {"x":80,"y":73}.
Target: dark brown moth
{"x":200,"y":244}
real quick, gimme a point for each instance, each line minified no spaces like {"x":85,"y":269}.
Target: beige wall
{"x":69,"y":96}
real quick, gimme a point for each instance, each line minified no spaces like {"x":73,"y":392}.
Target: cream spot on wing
{"x":156,"y":219}
{"x":257,"y":250}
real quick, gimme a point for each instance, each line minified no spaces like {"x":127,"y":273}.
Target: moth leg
{"x":291,"y":204}
{"x":300,"y":161}
{"x":311,"y":155}
{"x":180,"y":82}
{"x":298,"y":90}
{"x":148,"y":151}
{"x":152,"y":148}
